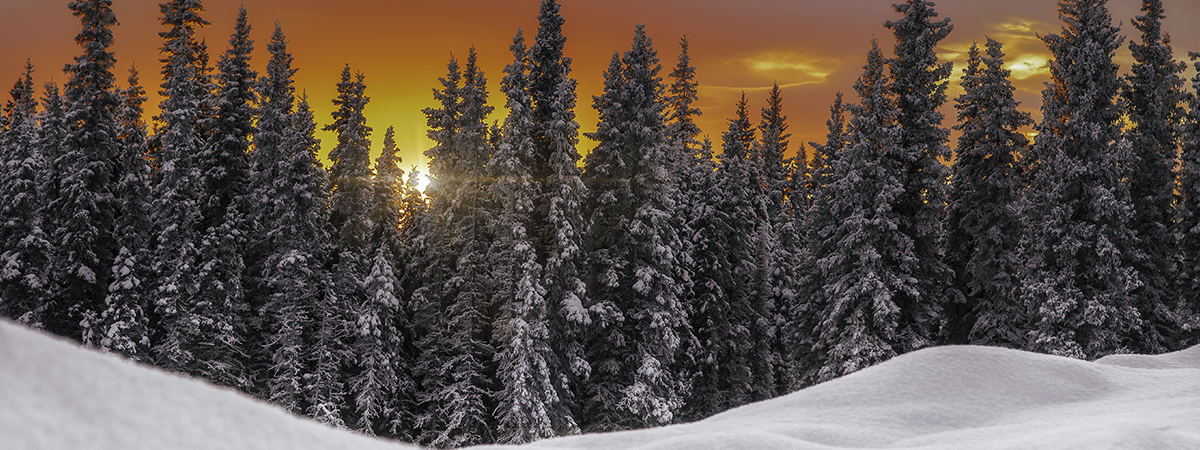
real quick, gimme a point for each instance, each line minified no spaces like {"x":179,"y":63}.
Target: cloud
{"x":1028,"y":65}
{"x":792,"y":69}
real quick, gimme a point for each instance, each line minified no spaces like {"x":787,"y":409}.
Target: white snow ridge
{"x":55,"y":395}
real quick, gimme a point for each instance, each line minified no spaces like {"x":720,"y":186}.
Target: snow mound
{"x":955,"y":398}
{"x":56,"y":395}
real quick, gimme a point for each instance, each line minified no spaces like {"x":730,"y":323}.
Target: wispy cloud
{"x":792,"y":69}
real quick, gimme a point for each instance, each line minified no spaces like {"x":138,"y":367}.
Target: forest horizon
{"x":540,"y":287}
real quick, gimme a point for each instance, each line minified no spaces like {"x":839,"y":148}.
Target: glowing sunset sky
{"x":812,"y":48}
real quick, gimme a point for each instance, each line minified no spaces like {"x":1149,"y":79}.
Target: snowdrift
{"x":55,"y":395}
{"x":958,"y":398}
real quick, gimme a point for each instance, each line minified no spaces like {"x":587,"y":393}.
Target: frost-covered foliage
{"x":350,"y":175}
{"x":1080,"y":249}
{"x":530,"y":407}
{"x":84,"y":208}
{"x":125,"y":327}
{"x":725,"y":318}
{"x":557,"y":217}
{"x":917,"y":86}
{"x":1187,"y":213}
{"x":457,"y":353}
{"x":862,"y":263}
{"x":25,"y":258}
{"x":983,"y":226}
{"x":1153,"y":100}
{"x":635,"y":271}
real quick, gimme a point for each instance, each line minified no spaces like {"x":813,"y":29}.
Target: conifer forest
{"x":531,"y":291}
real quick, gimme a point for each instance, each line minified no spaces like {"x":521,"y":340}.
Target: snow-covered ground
{"x":54,"y":395}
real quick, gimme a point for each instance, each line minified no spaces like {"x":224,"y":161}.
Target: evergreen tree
{"x":125,"y":321}
{"x":27,"y":251}
{"x":377,"y":347}
{"x":862,"y":263}
{"x":692,"y":162}
{"x":769,"y":153}
{"x":269,"y":162}
{"x":802,"y":314}
{"x":918,"y":85}
{"x":85,"y":208}
{"x":1153,"y":96}
{"x":557,"y":225}
{"x":781,"y":242}
{"x":225,"y":162}
{"x":48,"y":142}
{"x":635,"y":267}
{"x":983,"y":226}
{"x":220,"y":304}
{"x":728,"y":265}
{"x":382,"y":388}
{"x":1187,"y":213}
{"x":528,"y":397}
{"x":175,"y":208}
{"x":350,"y":175}
{"x":457,"y":352}
{"x":1079,"y":246}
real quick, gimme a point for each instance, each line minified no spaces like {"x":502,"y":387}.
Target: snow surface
{"x":958,"y":398}
{"x":55,"y":395}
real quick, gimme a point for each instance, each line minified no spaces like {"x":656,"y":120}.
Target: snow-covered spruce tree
{"x":85,"y":208}
{"x":225,"y":163}
{"x":221,"y":304}
{"x":125,"y":327}
{"x":728,"y":280}
{"x":305,"y":342}
{"x":350,"y":175}
{"x":918,"y":87}
{"x":431,"y":263}
{"x":693,"y":165}
{"x":175,"y":207}
{"x":1153,"y":96}
{"x":48,"y":142}
{"x":376,"y":349}
{"x":781,"y":243}
{"x":382,"y":387}
{"x":862,"y":261}
{"x":1079,"y":247}
{"x":825,"y":154}
{"x":744,"y":199}
{"x":457,"y":353}
{"x":269,"y":161}
{"x":558,"y":219}
{"x":633,"y":251}
{"x":983,"y":227}
{"x":802,"y":315}
{"x":711,"y":273}
{"x":1187,"y":215}
{"x":351,"y":205}
{"x":528,"y":397}
{"x":769,"y":153}
{"x":27,"y":251}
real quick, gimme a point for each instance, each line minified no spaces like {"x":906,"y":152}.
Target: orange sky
{"x":812,"y":48}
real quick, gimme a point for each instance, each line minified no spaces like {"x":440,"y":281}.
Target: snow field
{"x":56,"y":395}
{"x":959,"y":398}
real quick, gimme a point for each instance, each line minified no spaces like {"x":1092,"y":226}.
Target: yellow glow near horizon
{"x":1028,"y":65}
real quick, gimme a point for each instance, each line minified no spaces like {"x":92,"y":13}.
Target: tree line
{"x":524,"y":295}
